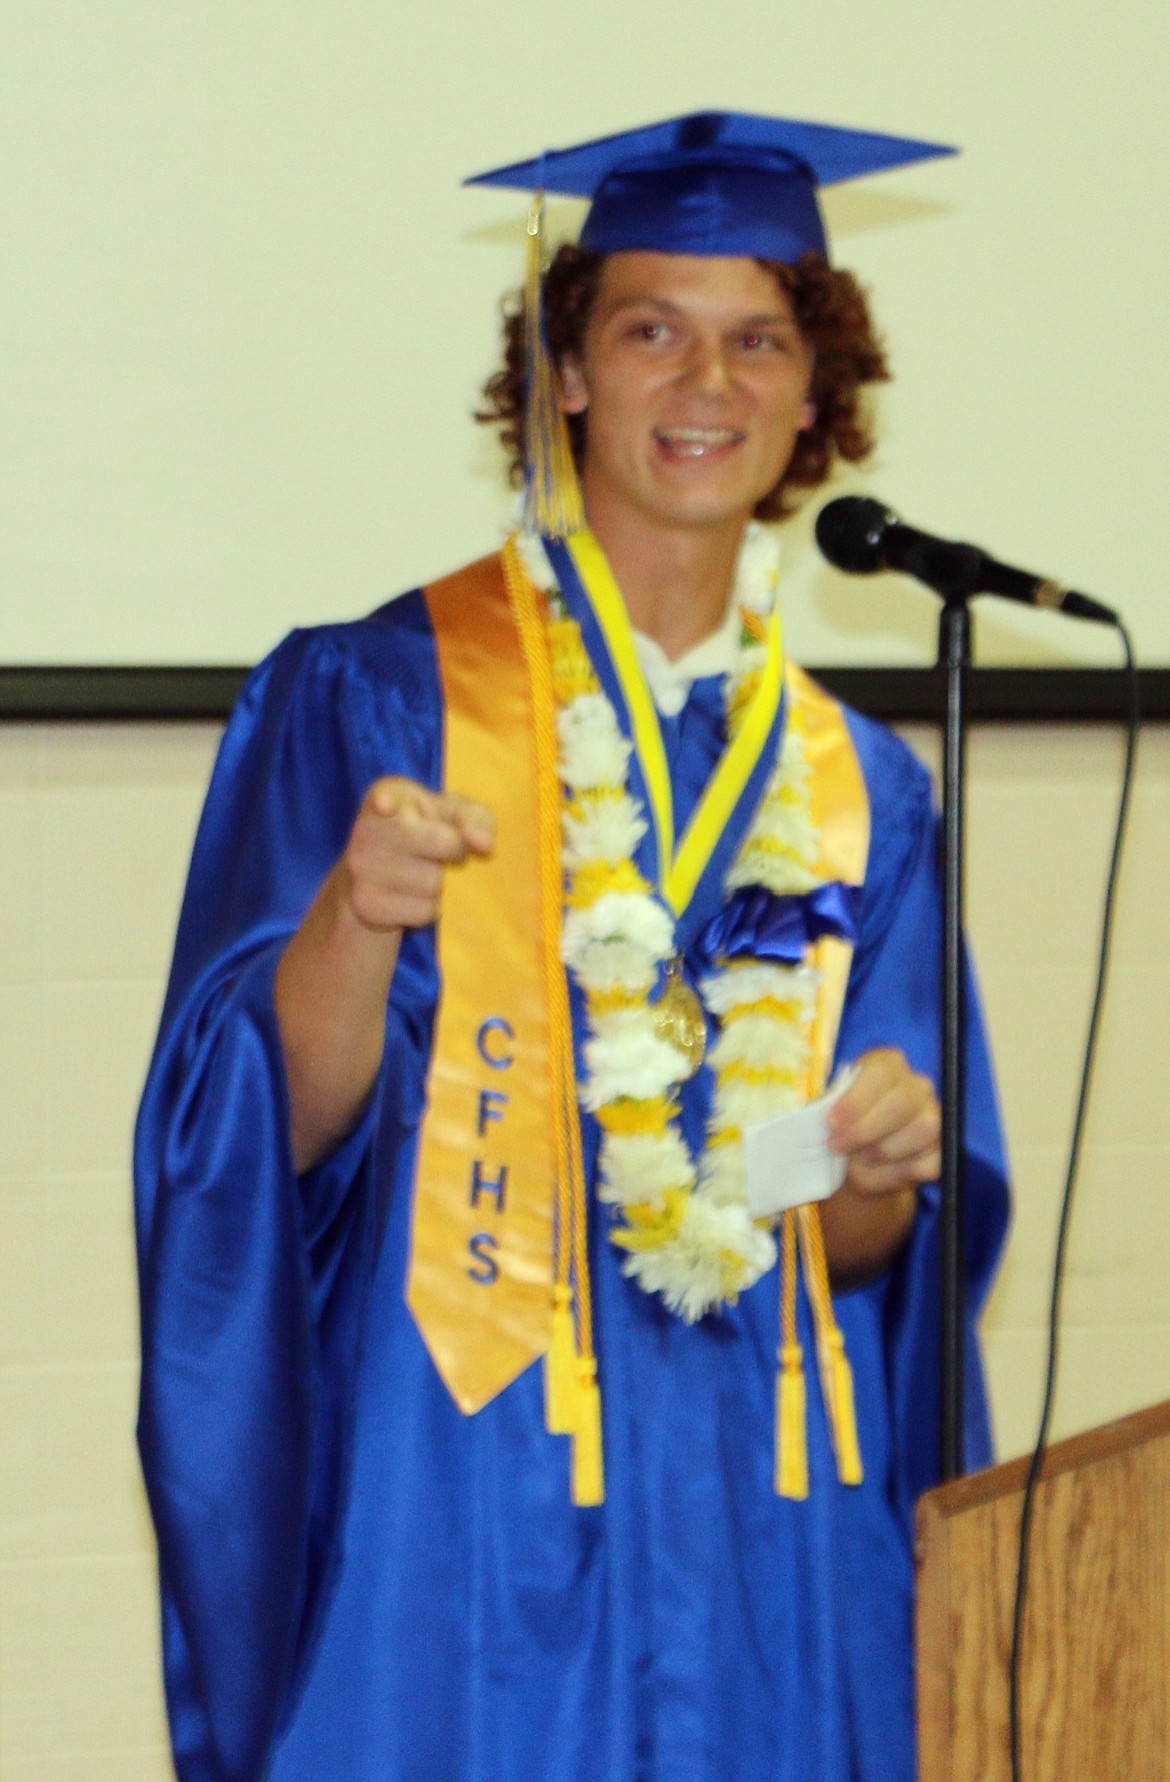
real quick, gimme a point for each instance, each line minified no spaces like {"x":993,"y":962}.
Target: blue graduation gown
{"x":358,"y":1582}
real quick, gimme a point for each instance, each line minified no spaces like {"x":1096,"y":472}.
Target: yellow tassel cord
{"x":588,"y":1485}
{"x":791,"y":1441}
{"x":588,"y":1480}
{"x":572,"y":1398}
{"x":849,"y":1468}
{"x":836,"y":1373}
{"x":560,"y":1363}
{"x":804,"y":1224}
{"x":552,"y":495}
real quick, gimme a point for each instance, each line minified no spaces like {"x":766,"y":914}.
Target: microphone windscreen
{"x":850,"y":533}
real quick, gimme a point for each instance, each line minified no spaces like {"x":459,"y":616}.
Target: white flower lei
{"x":683,"y":1222}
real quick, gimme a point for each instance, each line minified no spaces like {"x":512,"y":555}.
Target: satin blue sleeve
{"x":895,"y":1000}
{"x":253,"y":1280}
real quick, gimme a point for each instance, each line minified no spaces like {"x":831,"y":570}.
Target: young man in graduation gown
{"x":498,"y":1419}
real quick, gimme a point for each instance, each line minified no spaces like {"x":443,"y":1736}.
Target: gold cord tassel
{"x":844,"y":1413}
{"x":791,"y":1442}
{"x":552,"y":494}
{"x":791,"y":1477}
{"x":560,"y":1367}
{"x":588,"y":1467}
{"x":836,"y":1373}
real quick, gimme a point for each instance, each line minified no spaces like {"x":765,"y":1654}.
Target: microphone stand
{"x":954,"y":650}
{"x":861,"y":536}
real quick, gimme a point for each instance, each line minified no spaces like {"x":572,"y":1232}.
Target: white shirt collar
{"x":670,"y":682}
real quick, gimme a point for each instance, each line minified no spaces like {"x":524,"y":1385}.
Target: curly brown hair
{"x":833,"y":315}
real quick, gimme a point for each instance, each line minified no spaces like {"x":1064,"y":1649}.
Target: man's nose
{"x":708,"y":369}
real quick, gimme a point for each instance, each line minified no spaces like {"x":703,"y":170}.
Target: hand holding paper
{"x":877,"y":1127}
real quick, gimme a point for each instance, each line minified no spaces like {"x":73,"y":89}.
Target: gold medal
{"x":679,"y":1017}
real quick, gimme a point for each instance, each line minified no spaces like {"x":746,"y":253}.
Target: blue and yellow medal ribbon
{"x":680,"y":869}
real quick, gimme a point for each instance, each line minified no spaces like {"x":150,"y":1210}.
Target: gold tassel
{"x":561,"y":1388}
{"x":588,"y":1465}
{"x":836,"y":1373}
{"x":791,"y":1465}
{"x":552,"y":494}
{"x":844,"y":1414}
{"x":791,"y":1444}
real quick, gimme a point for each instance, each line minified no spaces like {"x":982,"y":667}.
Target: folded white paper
{"x":789,"y":1161}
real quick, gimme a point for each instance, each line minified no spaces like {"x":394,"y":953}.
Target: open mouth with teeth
{"x":697,"y":442}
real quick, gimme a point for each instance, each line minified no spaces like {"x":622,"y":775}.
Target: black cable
{"x":1037,"y":1460}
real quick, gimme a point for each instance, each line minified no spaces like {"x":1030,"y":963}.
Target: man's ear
{"x":574,"y":394}
{"x":808,"y":416}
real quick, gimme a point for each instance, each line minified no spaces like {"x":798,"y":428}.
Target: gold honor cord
{"x":572,"y":1394}
{"x":840,"y":813}
{"x":678,"y":873}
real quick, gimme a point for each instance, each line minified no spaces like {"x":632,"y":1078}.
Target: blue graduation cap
{"x":717,"y":182}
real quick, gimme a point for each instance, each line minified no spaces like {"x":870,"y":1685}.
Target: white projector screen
{"x":247,"y":306}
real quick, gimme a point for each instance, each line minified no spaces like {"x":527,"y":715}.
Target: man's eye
{"x":652,"y":331}
{"x":756,"y":342}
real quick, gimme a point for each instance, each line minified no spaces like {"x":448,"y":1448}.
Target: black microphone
{"x":860,"y":536}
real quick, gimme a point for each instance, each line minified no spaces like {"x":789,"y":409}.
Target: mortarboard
{"x":717,"y":182}
{"x":713,"y":183}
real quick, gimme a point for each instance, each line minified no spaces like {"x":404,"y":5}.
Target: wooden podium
{"x":1095,"y":1672}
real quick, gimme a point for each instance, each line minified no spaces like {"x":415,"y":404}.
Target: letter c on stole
{"x":495,"y":1060}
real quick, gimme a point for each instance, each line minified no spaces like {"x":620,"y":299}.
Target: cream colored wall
{"x":248,"y":306}
{"x":95,"y":826}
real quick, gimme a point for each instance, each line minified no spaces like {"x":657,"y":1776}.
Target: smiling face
{"x":693,"y":381}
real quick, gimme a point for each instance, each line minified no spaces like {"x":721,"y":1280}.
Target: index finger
{"x":475,"y":822}
{"x":441,"y":825}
